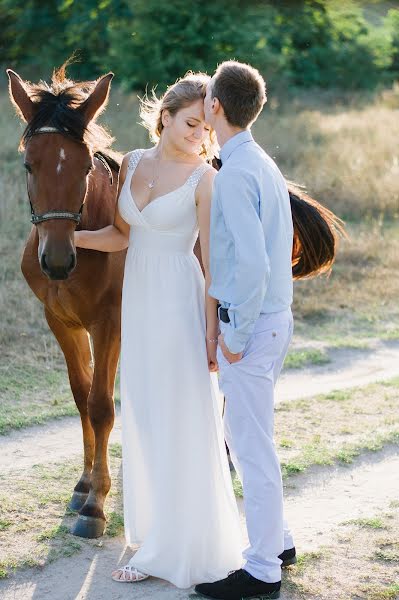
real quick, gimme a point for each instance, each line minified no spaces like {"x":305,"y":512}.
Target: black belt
{"x":224,"y":315}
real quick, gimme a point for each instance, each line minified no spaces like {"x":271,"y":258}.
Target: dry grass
{"x":348,"y":161}
{"x":334,"y":428}
{"x":34,"y":517}
{"x":323,"y":430}
{"x":35,"y":521}
{"x":354,"y":567}
{"x":359,"y":299}
{"x":343,"y":149}
{"x":343,"y":153}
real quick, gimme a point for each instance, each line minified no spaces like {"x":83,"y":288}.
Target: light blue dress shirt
{"x":251,"y":238}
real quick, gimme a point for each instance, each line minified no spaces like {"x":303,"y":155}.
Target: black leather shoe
{"x":288,"y":557}
{"x":239,"y":585}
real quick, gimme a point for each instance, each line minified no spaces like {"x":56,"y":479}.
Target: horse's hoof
{"x":77,"y":501}
{"x":88,"y":527}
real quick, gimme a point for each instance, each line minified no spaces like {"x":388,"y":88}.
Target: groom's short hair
{"x":241,"y":90}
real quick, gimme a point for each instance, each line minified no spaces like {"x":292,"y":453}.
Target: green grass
{"x":367,"y":523}
{"x":392,"y":335}
{"x":347,"y":343}
{"x":114,"y":524}
{"x":347,"y":455}
{"x":29,"y":540}
{"x":43,"y":555}
{"x":394,"y":382}
{"x":48,"y":487}
{"x":291,"y":468}
{"x":356,"y":303}
{"x":297,"y":359}
{"x":387,"y":556}
{"x":4,"y":524}
{"x":317,"y":454}
{"x":384,"y":593}
{"x":30,"y":396}
{"x":68,"y":548}
{"x":358,"y":563}
{"x":307,"y":558}
{"x":115,"y":450}
{"x":388,"y":552}
{"x":311,"y":455}
{"x":35,"y":395}
{"x":237,"y":487}
{"x":339,"y":395}
{"x":285,"y":443}
{"x":54,"y":532}
{"x":336,"y":427}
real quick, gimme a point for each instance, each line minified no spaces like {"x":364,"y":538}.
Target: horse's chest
{"x":61,"y":303}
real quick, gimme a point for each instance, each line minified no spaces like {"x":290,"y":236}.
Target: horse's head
{"x":58,"y":143}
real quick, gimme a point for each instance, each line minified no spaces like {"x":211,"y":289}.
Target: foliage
{"x":320,"y":43}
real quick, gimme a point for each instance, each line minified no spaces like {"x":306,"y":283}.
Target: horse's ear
{"x":19,"y":96}
{"x":98,"y":99}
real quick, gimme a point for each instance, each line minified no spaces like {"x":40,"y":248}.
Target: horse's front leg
{"x":106,"y":347}
{"x":75,"y":345}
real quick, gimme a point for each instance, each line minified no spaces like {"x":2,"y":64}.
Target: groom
{"x":250,"y":260}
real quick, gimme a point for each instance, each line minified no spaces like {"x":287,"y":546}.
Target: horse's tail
{"x":316,"y":234}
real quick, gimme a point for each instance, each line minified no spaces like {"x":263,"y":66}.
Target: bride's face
{"x":187,"y":129}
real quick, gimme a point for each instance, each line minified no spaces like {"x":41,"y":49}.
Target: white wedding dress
{"x":179,"y":505}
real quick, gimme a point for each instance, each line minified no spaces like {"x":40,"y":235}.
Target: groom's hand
{"x":231,"y":358}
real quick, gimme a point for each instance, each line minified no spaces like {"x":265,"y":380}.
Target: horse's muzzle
{"x":57,"y":272}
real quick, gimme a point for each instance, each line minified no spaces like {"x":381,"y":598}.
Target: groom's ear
{"x":215,"y":105}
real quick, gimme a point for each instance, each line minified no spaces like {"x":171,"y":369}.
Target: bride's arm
{"x":204,"y":197}
{"x":113,"y":237}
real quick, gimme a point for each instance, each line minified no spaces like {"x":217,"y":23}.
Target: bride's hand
{"x":211,"y":347}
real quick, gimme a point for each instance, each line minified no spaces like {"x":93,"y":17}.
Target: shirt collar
{"x":233,"y":143}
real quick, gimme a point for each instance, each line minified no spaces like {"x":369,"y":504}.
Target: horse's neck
{"x":100,"y":203}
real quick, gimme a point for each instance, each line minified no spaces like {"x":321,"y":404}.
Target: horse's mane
{"x":57,"y":106}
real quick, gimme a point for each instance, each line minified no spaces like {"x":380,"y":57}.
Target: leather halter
{"x":60,"y":214}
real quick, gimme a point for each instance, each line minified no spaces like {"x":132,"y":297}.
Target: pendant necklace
{"x":153,"y":180}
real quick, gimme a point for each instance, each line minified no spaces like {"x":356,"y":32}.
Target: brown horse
{"x":72,"y":182}
{"x":68,"y":183}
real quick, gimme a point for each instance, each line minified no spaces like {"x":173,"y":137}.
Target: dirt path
{"x":315,"y":507}
{"x":316,"y":502}
{"x":23,"y":448}
{"x":348,"y":368}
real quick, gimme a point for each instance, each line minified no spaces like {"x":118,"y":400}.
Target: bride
{"x":179,"y":505}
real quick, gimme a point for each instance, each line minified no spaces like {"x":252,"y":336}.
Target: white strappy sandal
{"x":129,"y":575}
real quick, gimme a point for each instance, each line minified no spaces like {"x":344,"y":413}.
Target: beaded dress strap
{"x":134,"y":159}
{"x":196,"y":175}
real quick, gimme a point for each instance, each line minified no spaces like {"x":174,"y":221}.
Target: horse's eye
{"x":27,"y":167}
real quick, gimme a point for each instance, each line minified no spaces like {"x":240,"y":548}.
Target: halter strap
{"x":49,"y":130}
{"x":62,"y":214}
{"x":55,"y":214}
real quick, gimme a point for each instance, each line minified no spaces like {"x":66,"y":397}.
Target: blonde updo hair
{"x":185,"y":91}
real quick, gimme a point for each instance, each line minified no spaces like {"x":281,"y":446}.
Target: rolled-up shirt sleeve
{"x":238,"y":201}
